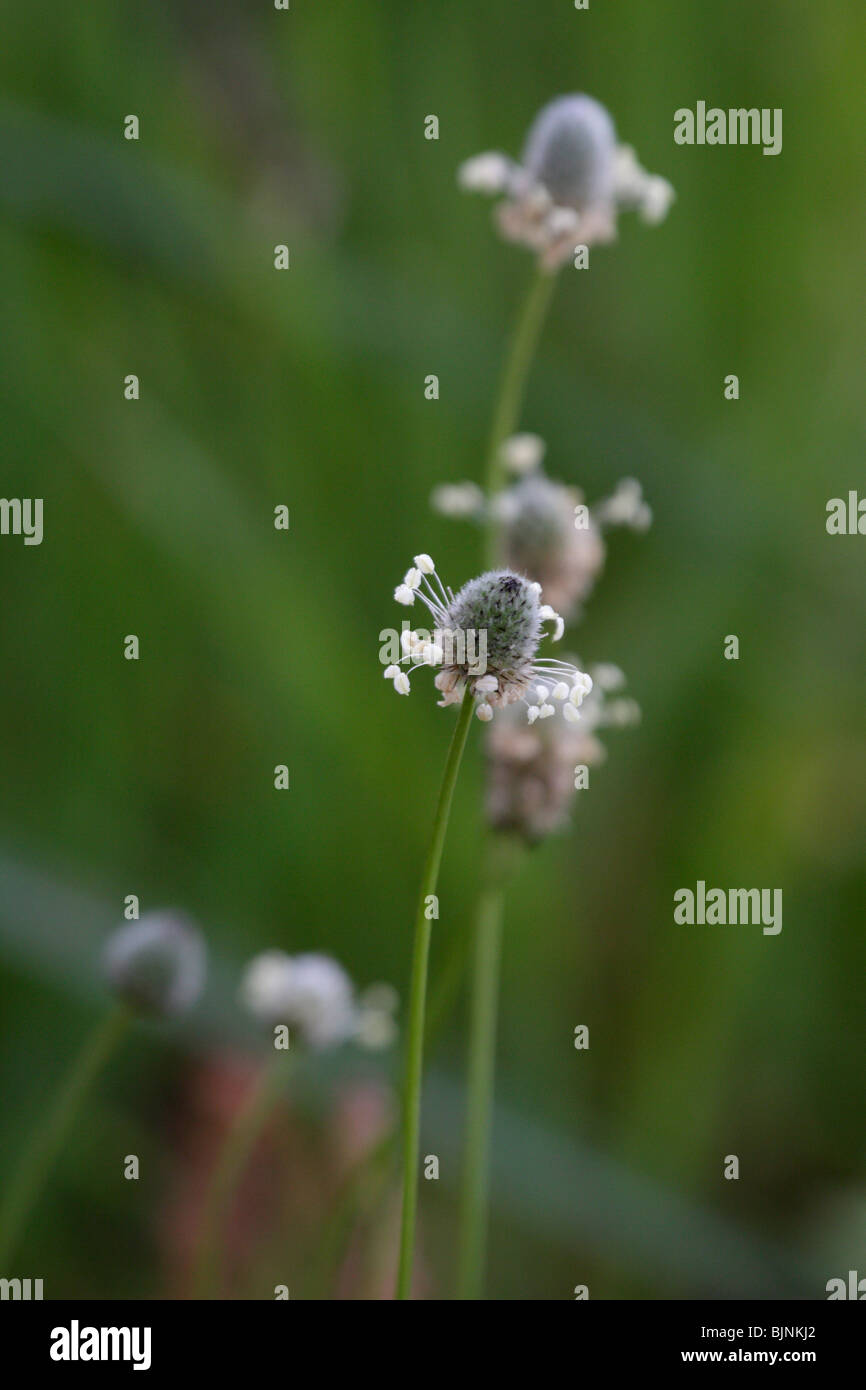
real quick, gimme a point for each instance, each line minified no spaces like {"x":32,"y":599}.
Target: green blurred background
{"x":257,"y":647}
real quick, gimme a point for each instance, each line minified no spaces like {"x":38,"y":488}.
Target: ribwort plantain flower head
{"x":571,"y":183}
{"x":532,"y":774}
{"x":486,"y":639}
{"x":310,"y":994}
{"x":545,"y":530}
{"x":157,"y":964}
{"x":539,"y":535}
{"x":571,"y":151}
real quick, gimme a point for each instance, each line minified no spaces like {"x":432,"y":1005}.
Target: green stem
{"x":418,"y":997}
{"x":472,"y":1238}
{"x":325,"y":1259}
{"x":40,"y":1152}
{"x":515,"y":373}
{"x":472,"y":1234}
{"x":229,"y":1167}
{"x":479,"y":1095}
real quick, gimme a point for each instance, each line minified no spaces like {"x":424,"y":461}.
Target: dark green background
{"x":258,"y":648}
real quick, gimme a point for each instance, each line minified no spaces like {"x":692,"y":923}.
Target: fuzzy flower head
{"x":486,"y":639}
{"x":546,"y":531}
{"x":532,"y":772}
{"x":571,"y":183}
{"x":539,"y":535}
{"x":310,"y":994}
{"x":157,"y":964}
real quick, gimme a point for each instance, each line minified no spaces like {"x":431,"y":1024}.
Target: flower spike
{"x":486,"y":638}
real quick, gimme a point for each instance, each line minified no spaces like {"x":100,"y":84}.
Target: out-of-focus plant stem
{"x":499,"y":851}
{"x":418,"y":998}
{"x":501,"y":857}
{"x":230,"y":1163}
{"x":512,"y":385}
{"x":24,"y":1187}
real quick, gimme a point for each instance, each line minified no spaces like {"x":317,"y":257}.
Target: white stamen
{"x":458,"y":499}
{"x":522,"y":453}
{"x":546,"y":711}
{"x":562,"y":222}
{"x":487,"y":684}
{"x":582,"y":687}
{"x":570,"y":714}
{"x":608,"y":677}
{"x":424,"y":564}
{"x":403,"y":594}
{"x":390,"y":672}
{"x":548,"y":614}
{"x":431,"y":655}
{"x":401,"y":683}
{"x":532,"y":713}
{"x":412,"y":579}
{"x":485,"y":173}
{"x":560,"y":691}
{"x":484,"y":711}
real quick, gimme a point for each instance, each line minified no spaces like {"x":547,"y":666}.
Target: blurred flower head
{"x":157,"y":964}
{"x":571,"y":183}
{"x":486,"y":639}
{"x":542,"y":535}
{"x":532,"y":773}
{"x":545,"y":530}
{"x":309,"y":993}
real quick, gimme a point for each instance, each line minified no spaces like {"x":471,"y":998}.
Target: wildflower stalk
{"x":484,"y":984}
{"x":324,"y":1261}
{"x":36,"y":1160}
{"x":479,"y":1093}
{"x":228,"y":1170}
{"x":515,"y":373}
{"x":500,"y":862}
{"x":418,"y":998}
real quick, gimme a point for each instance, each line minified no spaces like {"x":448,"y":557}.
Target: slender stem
{"x":418,"y":997}
{"x":500,"y":859}
{"x":324,"y":1260}
{"x":472,"y":1238}
{"x":479,"y":1092}
{"x":515,"y":372}
{"x":445,"y":989}
{"x":229,"y":1167}
{"x":40,"y":1152}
